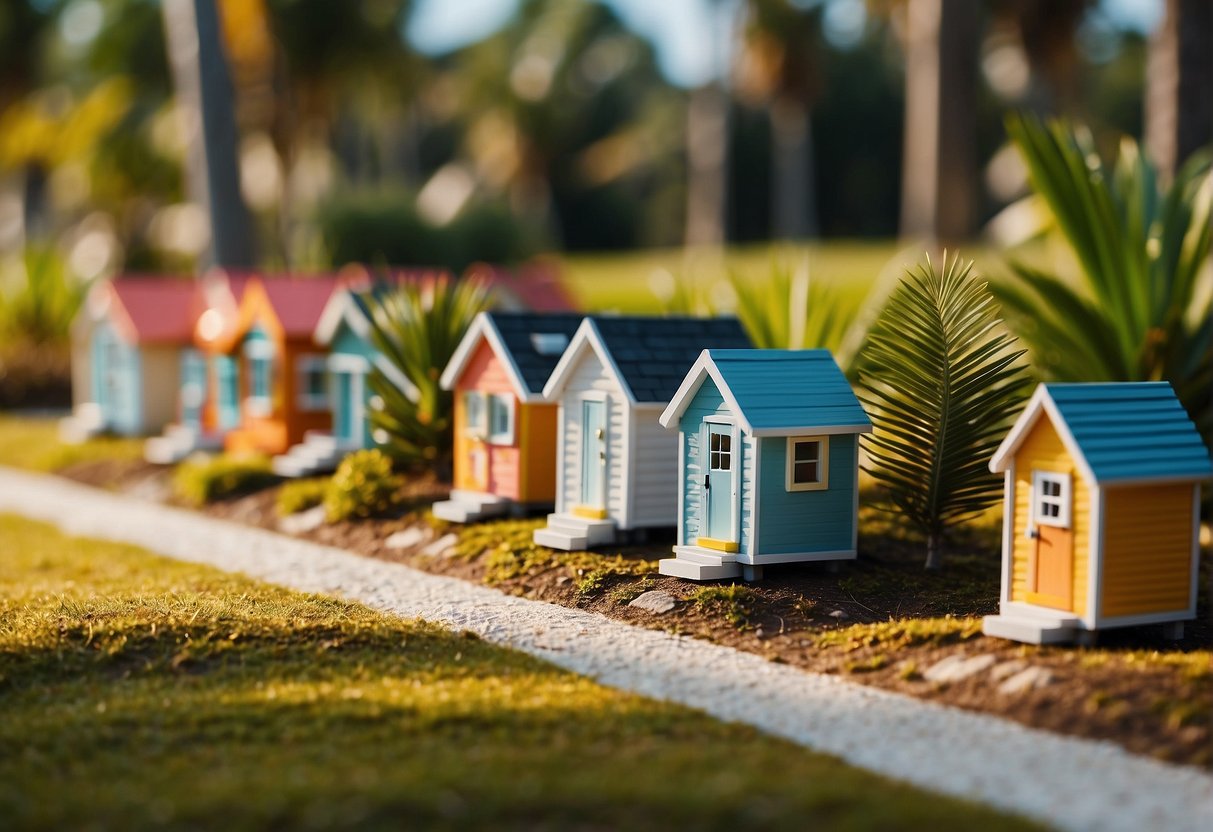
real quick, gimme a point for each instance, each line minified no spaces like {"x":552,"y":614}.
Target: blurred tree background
{"x":561,"y":128}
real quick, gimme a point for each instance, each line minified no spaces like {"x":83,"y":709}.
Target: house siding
{"x":1147,"y":554}
{"x":346,"y":342}
{"x":537,"y":429}
{"x":806,"y":521}
{"x":707,"y":402}
{"x":160,"y":390}
{"x":1042,"y":450}
{"x":589,"y":375}
{"x":486,"y":373}
{"x":654,"y":469}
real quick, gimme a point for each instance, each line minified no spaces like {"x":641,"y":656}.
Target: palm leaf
{"x":943,"y":380}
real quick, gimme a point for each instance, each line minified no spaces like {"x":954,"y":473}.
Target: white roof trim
{"x":1040,"y":403}
{"x":813,"y":430}
{"x":483,"y":327}
{"x":393,"y":374}
{"x":340,"y":307}
{"x":587,"y":335}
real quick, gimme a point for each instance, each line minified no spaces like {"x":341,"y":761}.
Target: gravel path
{"x":1072,"y":783}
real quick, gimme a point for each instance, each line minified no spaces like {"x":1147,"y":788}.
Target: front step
{"x":706,"y":557}
{"x":680,"y":567}
{"x":318,"y":453}
{"x":1029,"y":629}
{"x":571,"y":534}
{"x":470,"y":506}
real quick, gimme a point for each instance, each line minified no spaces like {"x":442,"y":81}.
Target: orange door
{"x":478,"y":464}
{"x":1054,"y":567}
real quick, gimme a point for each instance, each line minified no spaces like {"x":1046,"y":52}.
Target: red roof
{"x":534,"y":287}
{"x":153,"y":310}
{"x":299,"y":301}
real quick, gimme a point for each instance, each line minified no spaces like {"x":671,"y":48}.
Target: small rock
{"x":562,"y":580}
{"x":1030,"y":678}
{"x":442,"y":547}
{"x":957,"y":667}
{"x":760,"y":633}
{"x":1004,"y":669}
{"x":839,"y":614}
{"x":302,"y":521}
{"x":656,"y":601}
{"x":406,"y":538}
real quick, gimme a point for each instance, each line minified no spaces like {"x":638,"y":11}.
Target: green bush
{"x":203,"y":481}
{"x":363,"y":486}
{"x":301,"y":495}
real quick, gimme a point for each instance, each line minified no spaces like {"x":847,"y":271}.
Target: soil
{"x":881,"y":620}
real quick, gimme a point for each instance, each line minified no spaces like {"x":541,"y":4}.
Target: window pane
{"x":715,"y":461}
{"x":715,"y":442}
{"x":804,"y":473}
{"x":726,"y":442}
{"x":725,"y":461}
{"x":807,"y":451}
{"x":315,"y":382}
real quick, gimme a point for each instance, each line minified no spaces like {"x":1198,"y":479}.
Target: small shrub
{"x":206,"y":480}
{"x":364,"y":486}
{"x":732,"y":601}
{"x":300,"y":495}
{"x":592,"y":583}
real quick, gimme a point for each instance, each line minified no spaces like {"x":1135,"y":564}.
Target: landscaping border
{"x":1072,"y":783}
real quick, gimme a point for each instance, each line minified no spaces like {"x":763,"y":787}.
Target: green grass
{"x":205,"y":480}
{"x":33,"y":444}
{"x":141,"y":693}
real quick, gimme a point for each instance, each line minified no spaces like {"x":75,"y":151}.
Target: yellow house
{"x":1102,"y":512}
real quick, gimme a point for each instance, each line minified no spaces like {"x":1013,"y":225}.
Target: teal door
{"x":116,"y":381}
{"x":193,"y":388}
{"x":228,"y":383}
{"x":721,"y":482}
{"x":593,"y":453}
{"x":344,"y":428}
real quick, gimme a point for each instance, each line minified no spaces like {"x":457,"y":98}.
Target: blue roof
{"x":1132,"y":430}
{"x":789,"y":390}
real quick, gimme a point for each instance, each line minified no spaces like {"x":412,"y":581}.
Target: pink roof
{"x":534,"y":287}
{"x":155,"y":309}
{"x":299,"y":301}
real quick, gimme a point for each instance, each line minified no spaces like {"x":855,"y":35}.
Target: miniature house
{"x":1101,"y":512}
{"x":344,"y":331}
{"x":616,"y":467}
{"x":768,"y":462}
{"x":127,"y":346}
{"x":208,"y":395}
{"x":282,"y":370}
{"x":505,"y":431}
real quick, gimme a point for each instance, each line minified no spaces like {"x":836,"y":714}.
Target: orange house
{"x":505,"y":433}
{"x":283,"y":382}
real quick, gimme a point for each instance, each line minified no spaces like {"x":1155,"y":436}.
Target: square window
{"x":473,"y":412}
{"x":808,"y":463}
{"x":1051,"y":498}
{"x":501,"y":419}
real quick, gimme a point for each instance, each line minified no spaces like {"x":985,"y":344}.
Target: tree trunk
{"x":1179,"y":77}
{"x":938,"y":195}
{"x":707,"y":150}
{"x":934,"y":551}
{"x":794,"y":206}
{"x":206,"y":102}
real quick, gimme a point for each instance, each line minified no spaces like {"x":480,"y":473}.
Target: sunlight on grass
{"x":33,"y":443}
{"x":142,"y":693}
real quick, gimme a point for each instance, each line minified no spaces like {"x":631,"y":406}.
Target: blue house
{"x":768,"y":462}
{"x":345,"y":329}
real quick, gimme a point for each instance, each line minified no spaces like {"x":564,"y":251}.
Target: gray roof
{"x":654,"y":354}
{"x":516,"y":329}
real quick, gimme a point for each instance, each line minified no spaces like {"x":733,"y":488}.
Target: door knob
{"x":599,"y":433}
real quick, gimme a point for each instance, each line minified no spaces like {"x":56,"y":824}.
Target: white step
{"x":458,"y":511}
{"x":696,"y":554}
{"x":477,"y":498}
{"x":597,"y":532}
{"x":559,"y":539}
{"x":1029,"y":630}
{"x":320,"y":440}
{"x":680,"y":568}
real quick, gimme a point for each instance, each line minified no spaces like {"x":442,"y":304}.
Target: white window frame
{"x":823,"y":464}
{"x":505,"y":437}
{"x":1063,"y":501}
{"x":304,"y":398}
{"x":478,"y":429}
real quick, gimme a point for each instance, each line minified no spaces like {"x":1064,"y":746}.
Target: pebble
{"x":1065,"y":782}
{"x":656,"y":601}
{"x":957,"y":667}
{"x":442,"y":547}
{"x":302,"y":521}
{"x":1027,"y":679}
{"x":406,"y":538}
{"x":1004,"y":669}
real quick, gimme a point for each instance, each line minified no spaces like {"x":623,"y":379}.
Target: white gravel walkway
{"x":1072,"y":783}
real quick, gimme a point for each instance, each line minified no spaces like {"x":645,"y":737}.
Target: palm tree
{"x":1179,"y":77}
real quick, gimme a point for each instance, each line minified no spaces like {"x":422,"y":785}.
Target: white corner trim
{"x":755,"y":500}
{"x":680,"y":532}
{"x":1195,"y":584}
{"x":1008,"y":532}
{"x":1095,"y":558}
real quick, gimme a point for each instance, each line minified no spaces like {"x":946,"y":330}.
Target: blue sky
{"x":681,"y":30}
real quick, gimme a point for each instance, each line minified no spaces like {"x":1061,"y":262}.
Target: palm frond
{"x":943,"y":380}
